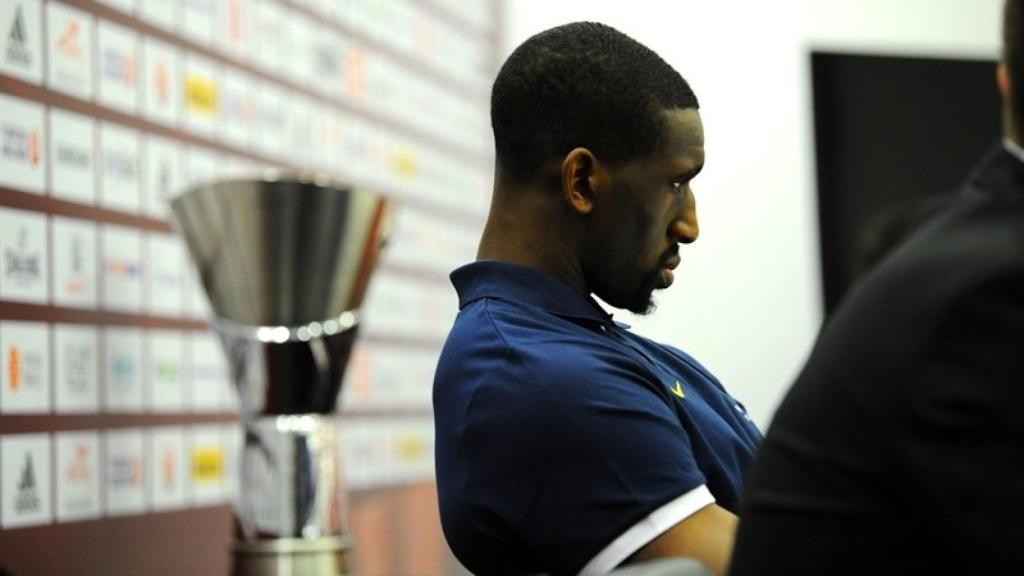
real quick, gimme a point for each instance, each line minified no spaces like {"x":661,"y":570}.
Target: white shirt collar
{"x":1014,"y":148}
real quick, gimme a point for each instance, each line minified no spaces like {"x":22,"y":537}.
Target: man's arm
{"x":707,"y":535}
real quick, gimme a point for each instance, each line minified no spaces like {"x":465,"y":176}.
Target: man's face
{"x":647,"y":211}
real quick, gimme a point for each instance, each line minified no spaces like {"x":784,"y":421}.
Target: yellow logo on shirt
{"x":678,"y":390}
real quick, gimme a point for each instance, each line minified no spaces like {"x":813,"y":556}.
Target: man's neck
{"x":527,"y":229}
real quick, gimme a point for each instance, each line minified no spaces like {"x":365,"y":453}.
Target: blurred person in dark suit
{"x":892,"y":226}
{"x":900,"y":448}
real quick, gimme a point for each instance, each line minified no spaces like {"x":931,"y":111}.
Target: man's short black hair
{"x":581,"y":85}
{"x":1013,"y":54}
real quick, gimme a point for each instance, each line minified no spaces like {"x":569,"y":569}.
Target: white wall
{"x":747,"y":298}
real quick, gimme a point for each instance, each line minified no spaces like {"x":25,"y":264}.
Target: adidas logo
{"x":17,"y":45}
{"x":27,"y":499}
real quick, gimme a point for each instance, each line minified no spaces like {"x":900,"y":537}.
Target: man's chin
{"x":640,"y":301}
{"x":643,"y":301}
{"x":643,"y":307}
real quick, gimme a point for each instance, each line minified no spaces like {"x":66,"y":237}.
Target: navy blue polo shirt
{"x":564,"y":442}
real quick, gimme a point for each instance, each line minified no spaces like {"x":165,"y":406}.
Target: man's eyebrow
{"x":689,"y":174}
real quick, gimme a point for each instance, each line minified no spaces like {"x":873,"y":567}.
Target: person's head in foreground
{"x":597,"y":140}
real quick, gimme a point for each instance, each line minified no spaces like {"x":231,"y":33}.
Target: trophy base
{"x":292,"y":557}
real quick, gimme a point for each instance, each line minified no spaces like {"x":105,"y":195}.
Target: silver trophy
{"x":286,"y":263}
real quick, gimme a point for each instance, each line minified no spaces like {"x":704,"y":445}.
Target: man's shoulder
{"x":520,"y":330}
{"x":982,"y":230}
{"x":500,"y":323}
{"x":513,"y":350}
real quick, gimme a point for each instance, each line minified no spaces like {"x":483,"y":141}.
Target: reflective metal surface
{"x":286,"y":263}
{"x":276,"y":372}
{"x":292,"y":557}
{"x":291,"y":478}
{"x":283,"y":252}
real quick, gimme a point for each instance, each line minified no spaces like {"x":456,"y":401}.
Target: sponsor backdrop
{"x":119,"y":436}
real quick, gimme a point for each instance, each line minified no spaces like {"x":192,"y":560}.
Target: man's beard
{"x":642,"y":301}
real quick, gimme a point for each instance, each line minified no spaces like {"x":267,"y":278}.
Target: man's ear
{"x":582,"y":176}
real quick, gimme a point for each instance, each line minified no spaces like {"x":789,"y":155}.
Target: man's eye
{"x":677,"y":186}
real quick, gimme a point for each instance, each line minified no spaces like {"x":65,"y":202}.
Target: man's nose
{"x":685,"y":229}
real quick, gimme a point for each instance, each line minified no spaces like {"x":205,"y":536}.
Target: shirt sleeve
{"x":616,"y":470}
{"x":647,"y":529}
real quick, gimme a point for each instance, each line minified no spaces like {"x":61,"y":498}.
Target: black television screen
{"x":891,"y":133}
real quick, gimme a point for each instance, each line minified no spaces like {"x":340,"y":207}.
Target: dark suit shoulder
{"x":975,"y":243}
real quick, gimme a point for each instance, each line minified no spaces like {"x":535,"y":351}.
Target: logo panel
{"x":25,"y":365}
{"x":327,"y":63}
{"x":122,"y":268}
{"x":74,"y":263}
{"x":198,"y":18}
{"x":162,"y":81}
{"x":168,"y":470}
{"x":78,"y":475}
{"x":21,"y":39}
{"x":165,"y":371}
{"x":271,"y":25}
{"x":210,"y":386}
{"x":22,"y":145}
{"x":117,"y":49}
{"x":300,"y":131}
{"x":119,"y":167}
{"x":73,"y":175}
{"x":25,"y":483}
{"x":125,"y":472}
{"x":237,"y":108}
{"x":167,"y":262}
{"x":271,"y":121}
{"x":69,"y":50}
{"x":206,"y":464}
{"x":77,"y":367}
{"x":202,"y":165}
{"x":23,"y":256}
{"x":122,"y":369}
{"x":328,"y":132}
{"x":232,"y":31}
{"x":163,"y":174}
{"x":201,"y":93}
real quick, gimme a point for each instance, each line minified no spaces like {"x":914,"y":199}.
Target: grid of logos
{"x":88,"y":369}
{"x":90,"y":474}
{"x":191,"y":91}
{"x":440,"y":154}
{"x":84,"y":264}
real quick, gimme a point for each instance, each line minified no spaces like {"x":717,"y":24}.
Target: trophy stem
{"x":291,"y":505}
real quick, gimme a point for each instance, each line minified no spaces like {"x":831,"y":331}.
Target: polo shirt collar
{"x":522,"y":284}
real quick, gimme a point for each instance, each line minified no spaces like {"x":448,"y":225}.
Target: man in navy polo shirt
{"x":565,"y":443}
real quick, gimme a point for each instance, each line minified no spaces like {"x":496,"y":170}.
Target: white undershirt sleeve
{"x":647,"y":529}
